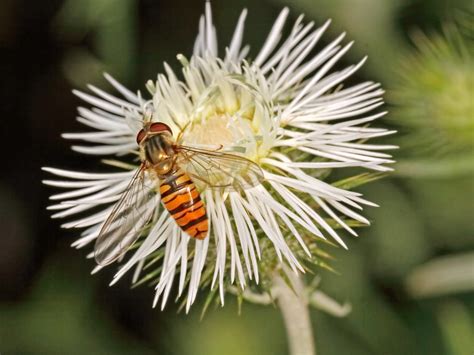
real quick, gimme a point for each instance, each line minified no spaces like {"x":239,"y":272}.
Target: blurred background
{"x":409,"y":277}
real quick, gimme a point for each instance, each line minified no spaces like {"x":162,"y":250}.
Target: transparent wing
{"x":219,"y":170}
{"x":126,"y":221}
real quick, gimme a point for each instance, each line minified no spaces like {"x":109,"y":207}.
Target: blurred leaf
{"x":444,"y":168}
{"x":113,"y":23}
{"x":77,"y":17}
{"x":396,"y":240}
{"x":80,"y":67}
{"x":358,"y":180}
{"x":59,"y":317}
{"x":457,"y":327}
{"x":372,"y":327}
{"x":116,"y":38}
{"x":445,"y":206}
{"x":442,"y":276}
{"x":258,"y":330}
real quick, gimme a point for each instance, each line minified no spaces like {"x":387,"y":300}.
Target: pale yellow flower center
{"x":214,"y":130}
{"x":225,"y":118}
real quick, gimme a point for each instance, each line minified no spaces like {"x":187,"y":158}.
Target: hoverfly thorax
{"x":157,"y":145}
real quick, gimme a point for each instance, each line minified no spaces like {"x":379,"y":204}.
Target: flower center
{"x":226,"y":117}
{"x":216,"y":107}
{"x":218,"y":129}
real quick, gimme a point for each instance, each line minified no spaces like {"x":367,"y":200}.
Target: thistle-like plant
{"x":288,"y":111}
{"x":433,"y":105}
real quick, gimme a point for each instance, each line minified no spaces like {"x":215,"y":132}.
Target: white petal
{"x":130,"y":96}
{"x":273,"y":38}
{"x":235,"y":44}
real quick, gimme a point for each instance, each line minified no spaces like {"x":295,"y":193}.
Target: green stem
{"x":294,"y":309}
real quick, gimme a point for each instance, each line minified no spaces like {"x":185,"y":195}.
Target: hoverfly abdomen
{"x":183,"y":201}
{"x":178,"y":193}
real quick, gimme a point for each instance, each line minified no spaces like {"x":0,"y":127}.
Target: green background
{"x":49,"y":304}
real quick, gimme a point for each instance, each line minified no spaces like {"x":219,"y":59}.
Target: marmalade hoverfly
{"x":174,"y":169}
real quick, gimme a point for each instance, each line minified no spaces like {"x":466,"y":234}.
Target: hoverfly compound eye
{"x":159,"y":127}
{"x":141,"y":136}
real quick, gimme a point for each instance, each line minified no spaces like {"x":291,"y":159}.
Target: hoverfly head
{"x":151,"y":129}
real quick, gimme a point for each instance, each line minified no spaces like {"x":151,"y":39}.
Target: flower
{"x":285,"y":110}
{"x":432,"y":94}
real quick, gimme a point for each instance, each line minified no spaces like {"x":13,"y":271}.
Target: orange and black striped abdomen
{"x":183,"y":201}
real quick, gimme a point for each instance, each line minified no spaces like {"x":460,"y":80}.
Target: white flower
{"x":285,"y":110}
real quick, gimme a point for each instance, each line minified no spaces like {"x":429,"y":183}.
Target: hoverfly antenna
{"x":136,"y":117}
{"x":148,"y":110}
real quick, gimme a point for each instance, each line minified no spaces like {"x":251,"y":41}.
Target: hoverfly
{"x":174,"y":170}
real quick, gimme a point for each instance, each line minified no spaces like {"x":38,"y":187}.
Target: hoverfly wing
{"x":125,"y":222}
{"x":219,"y":170}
